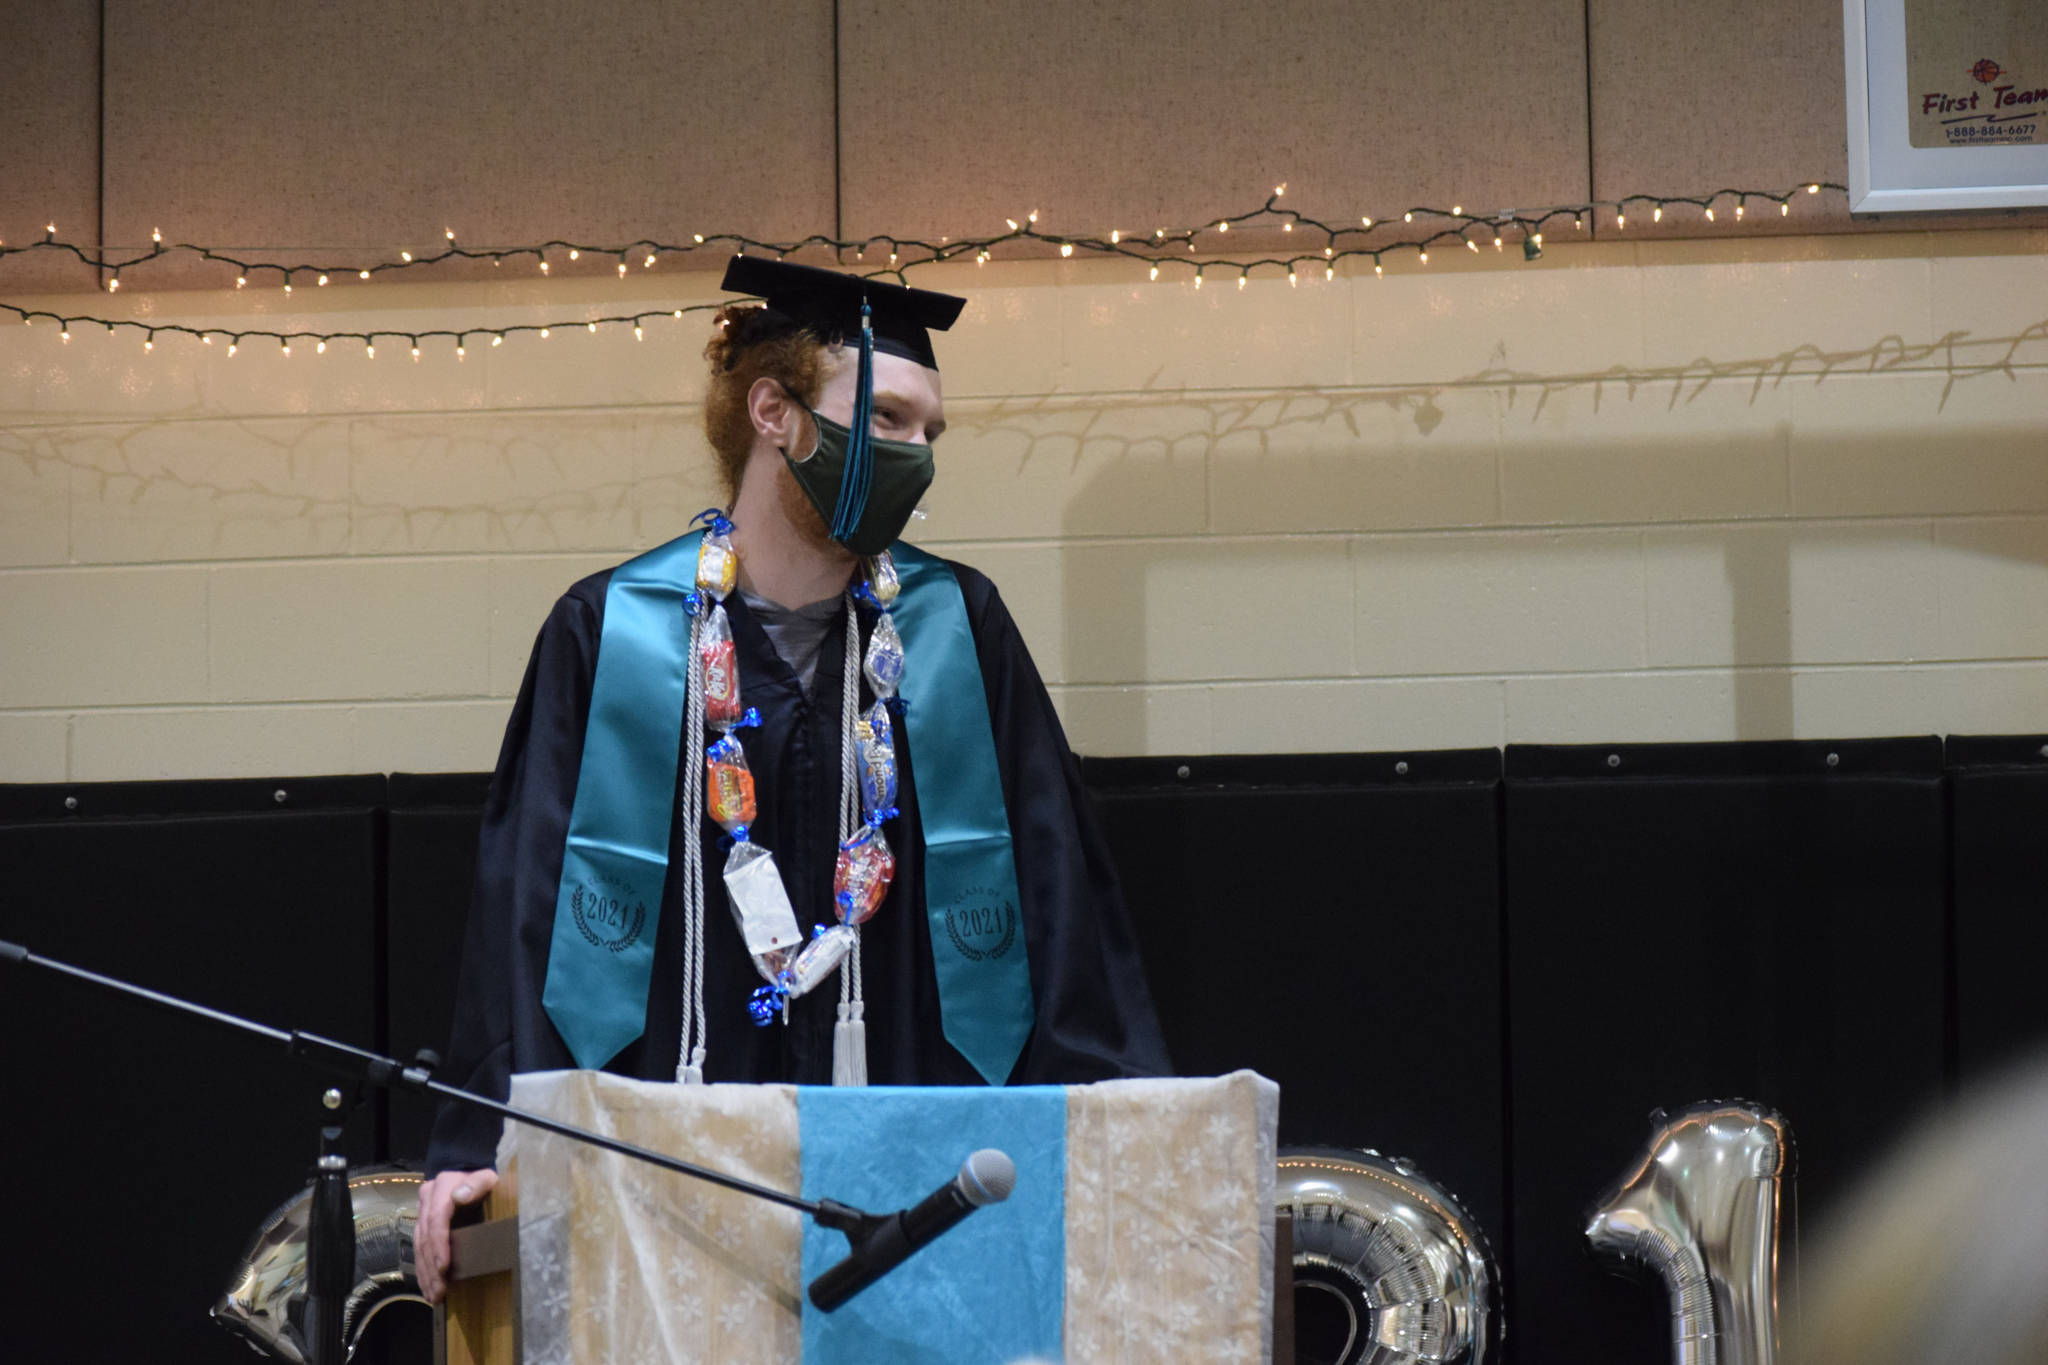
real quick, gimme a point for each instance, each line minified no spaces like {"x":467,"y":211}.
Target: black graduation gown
{"x":1094,"y":1015}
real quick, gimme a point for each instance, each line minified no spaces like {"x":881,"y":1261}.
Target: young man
{"x":1000,"y":951}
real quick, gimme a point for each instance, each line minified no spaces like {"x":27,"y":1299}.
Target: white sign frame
{"x":1887,"y":174}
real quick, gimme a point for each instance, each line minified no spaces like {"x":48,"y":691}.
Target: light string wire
{"x":1169,"y":250}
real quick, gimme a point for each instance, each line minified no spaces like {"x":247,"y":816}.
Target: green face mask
{"x":902,"y":472}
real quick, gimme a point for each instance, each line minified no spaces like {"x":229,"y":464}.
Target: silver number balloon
{"x":265,"y":1301}
{"x":1699,"y":1211}
{"x":1409,"y":1267}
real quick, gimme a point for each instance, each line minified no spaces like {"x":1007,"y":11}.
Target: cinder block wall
{"x":1721,"y":489}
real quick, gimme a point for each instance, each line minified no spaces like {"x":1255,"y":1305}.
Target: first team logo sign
{"x":608,"y":915}
{"x":982,"y":926}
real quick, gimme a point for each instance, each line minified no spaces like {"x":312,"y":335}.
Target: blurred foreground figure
{"x":1943,"y":1255}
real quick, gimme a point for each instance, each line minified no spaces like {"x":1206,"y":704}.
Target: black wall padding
{"x":1999,"y":802}
{"x":1756,"y":921}
{"x":1332,"y":923}
{"x":140,"y":1151}
{"x":433,"y":825}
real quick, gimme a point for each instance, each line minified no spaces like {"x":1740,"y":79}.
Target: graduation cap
{"x":831,"y":303}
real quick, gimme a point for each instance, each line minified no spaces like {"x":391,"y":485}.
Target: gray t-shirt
{"x":797,"y":633}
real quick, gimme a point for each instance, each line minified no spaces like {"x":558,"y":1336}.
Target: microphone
{"x":987,"y":1177}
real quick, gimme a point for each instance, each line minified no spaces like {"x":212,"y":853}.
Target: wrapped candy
{"x":875,"y":736}
{"x":730,"y":786}
{"x":718,"y":567}
{"x":720,"y":665}
{"x":816,"y":961}
{"x":882,"y":580}
{"x":862,"y":875}
{"x":884,"y":665}
{"x":826,"y":950}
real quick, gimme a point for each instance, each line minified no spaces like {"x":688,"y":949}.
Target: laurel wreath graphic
{"x":631,"y":936}
{"x":973,"y":954}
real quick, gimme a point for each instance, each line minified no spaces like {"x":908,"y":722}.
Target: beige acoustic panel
{"x":1148,"y":114}
{"x":378,"y":124}
{"x":1744,"y":94}
{"x":49,"y":153}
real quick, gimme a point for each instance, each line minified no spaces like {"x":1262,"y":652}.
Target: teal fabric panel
{"x":988,"y":1291}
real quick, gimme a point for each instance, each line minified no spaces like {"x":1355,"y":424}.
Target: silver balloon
{"x":265,"y":1304}
{"x":1409,"y":1269}
{"x":1699,"y":1211}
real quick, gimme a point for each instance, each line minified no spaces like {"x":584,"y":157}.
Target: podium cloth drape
{"x":1164,"y":1222}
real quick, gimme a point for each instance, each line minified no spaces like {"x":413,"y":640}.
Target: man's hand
{"x":438,"y":1200}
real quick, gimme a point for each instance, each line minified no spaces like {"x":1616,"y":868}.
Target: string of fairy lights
{"x":1186,"y":254}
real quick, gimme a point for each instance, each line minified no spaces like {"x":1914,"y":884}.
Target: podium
{"x":1141,"y":1229}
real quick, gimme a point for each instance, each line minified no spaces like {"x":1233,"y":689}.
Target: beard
{"x":803,"y":516}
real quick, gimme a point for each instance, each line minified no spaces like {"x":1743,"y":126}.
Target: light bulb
{"x":638,"y":335}
{"x":1783,"y":208}
{"x":1813,"y":189}
{"x":1738,"y":210}
{"x":1223,"y":226}
{"x":1425,"y":258}
{"x":1710,"y":215}
{"x":415,"y":353}
{"x":543,"y":334}
{"x":1365,"y":222}
{"x":591,"y":325}
{"x":323,"y":279}
{"x":1457,"y":210}
{"x":450,"y":233}
{"x":543,"y":267}
{"x":1471,"y":245}
{"x":369,"y":350}
{"x":1198,"y":279}
{"x":648,"y":262}
{"x":697,"y":237}
{"x":1621,"y":220}
{"x":1292,"y":278}
{"x":149,"y":344}
{"x":65,"y":334}
{"x":287,"y":348}
{"x":1538,"y":239}
{"x":461,"y":351}
{"x":363,"y":274}
{"x":1329,"y":251}
{"x":574,"y":254}
{"x":1032,"y":216}
{"x":287,"y":286}
{"x":1287,"y":226}
{"x":1155,"y":272}
{"x":231,"y":348}
{"x":1279,"y":190}
{"x":622,"y":269}
{"x":320,"y":348}
{"x":1066,"y":248}
{"x":497,"y":341}
{"x":1012,"y":222}
{"x":679,"y":315}
{"x":1329,"y":272}
{"x":1378,"y":269}
{"x":1496,"y":241}
{"x":405,"y":255}
{"x":156,"y":234}
{"x":1115,"y":235}
{"x":1241,"y":281}
{"x":113,"y":284}
{"x":1408,"y":217}
{"x":1657,"y":214}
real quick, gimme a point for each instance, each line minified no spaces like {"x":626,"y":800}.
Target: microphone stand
{"x":330,"y":1248}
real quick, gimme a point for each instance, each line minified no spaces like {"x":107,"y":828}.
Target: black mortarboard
{"x":828,"y":303}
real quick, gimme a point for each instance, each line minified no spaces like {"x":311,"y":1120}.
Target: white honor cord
{"x":690,"y":1055}
{"x":849,"y":1034}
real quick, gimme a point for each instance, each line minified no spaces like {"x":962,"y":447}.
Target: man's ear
{"x":777,"y":416}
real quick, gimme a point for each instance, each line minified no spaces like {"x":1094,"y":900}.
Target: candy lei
{"x":865,"y":865}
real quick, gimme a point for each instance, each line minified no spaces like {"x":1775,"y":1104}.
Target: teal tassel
{"x":858,"y":476}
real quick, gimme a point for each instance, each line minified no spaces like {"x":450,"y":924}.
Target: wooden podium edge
{"x":478,"y":1322}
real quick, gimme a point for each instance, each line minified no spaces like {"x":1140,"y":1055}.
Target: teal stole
{"x":615,"y":860}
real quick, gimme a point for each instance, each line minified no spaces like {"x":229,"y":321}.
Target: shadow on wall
{"x":1277,"y":572}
